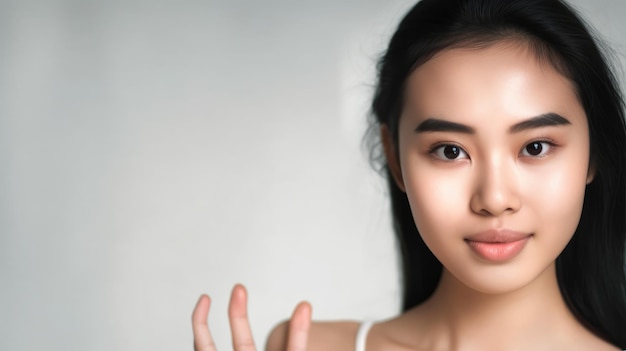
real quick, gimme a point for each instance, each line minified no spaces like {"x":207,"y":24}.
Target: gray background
{"x":151,"y":151}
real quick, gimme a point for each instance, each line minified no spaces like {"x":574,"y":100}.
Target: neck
{"x":466,"y":319}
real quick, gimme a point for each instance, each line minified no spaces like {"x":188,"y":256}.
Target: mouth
{"x":498,"y":245}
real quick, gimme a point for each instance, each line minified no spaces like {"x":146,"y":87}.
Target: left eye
{"x":536,"y":149}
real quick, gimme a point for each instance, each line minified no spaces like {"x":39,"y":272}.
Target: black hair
{"x":591,"y":270}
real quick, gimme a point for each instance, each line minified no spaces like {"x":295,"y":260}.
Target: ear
{"x":391,"y":154}
{"x":591,"y":172}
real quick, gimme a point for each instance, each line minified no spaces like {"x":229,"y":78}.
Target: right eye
{"x":449,"y":152}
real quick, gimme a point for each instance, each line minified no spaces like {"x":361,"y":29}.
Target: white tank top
{"x":361,"y":335}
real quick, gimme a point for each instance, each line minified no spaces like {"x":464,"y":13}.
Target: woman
{"x":502,"y":132}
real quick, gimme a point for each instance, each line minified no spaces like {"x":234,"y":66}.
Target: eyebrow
{"x":550,"y":119}
{"x":440,"y":125}
{"x":545,"y":120}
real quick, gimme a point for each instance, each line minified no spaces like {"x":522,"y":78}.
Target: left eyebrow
{"x":550,"y":119}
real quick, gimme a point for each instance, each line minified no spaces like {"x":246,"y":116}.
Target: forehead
{"x":503,"y":81}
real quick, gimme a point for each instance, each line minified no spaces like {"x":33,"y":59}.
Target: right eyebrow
{"x":440,"y":125}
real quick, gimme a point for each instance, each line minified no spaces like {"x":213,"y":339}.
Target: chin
{"x":503,"y":279}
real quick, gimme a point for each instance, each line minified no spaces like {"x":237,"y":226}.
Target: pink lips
{"x":497,"y":245}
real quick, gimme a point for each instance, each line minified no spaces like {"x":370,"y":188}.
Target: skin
{"x":298,"y":328}
{"x":504,"y":175}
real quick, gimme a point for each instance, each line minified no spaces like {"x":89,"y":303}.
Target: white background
{"x":151,"y":151}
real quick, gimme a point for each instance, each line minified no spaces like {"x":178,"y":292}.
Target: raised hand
{"x":240,"y":327}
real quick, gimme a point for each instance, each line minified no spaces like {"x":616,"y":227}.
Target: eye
{"x":536,"y":149}
{"x":449,"y":152}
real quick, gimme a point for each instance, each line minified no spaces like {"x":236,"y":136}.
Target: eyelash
{"x":440,"y":148}
{"x":548,"y":142}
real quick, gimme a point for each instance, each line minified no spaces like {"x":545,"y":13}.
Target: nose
{"x":495,"y":192}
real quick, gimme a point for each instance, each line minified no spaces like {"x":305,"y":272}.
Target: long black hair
{"x":591,"y":270}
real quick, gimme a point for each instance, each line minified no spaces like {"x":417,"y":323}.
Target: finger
{"x":238,"y":317}
{"x":202,"y":340}
{"x":299,"y":327}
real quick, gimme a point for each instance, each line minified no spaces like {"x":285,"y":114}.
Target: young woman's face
{"x":494,"y":158}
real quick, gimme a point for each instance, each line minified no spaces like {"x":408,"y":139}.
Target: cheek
{"x":554,"y":195}
{"x":440,"y":207}
{"x":438,"y":199}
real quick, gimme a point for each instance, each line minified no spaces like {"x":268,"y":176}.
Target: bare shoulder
{"x":594,"y":343}
{"x":323,"y":336}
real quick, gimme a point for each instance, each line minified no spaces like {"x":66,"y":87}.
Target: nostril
{"x":491,"y":200}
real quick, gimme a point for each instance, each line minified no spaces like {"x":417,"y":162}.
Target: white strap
{"x":361,"y":335}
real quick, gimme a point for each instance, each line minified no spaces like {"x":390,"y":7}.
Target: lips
{"x":498,"y":245}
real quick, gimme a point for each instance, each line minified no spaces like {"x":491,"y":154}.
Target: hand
{"x":240,"y":328}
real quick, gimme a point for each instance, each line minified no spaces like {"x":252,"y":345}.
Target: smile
{"x":498,"y":246}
